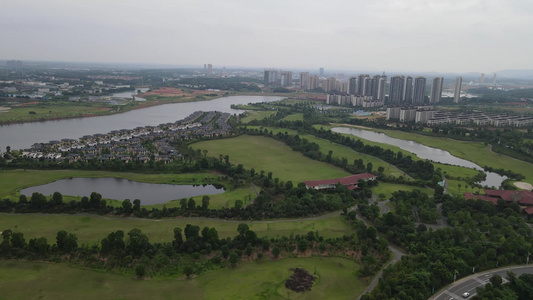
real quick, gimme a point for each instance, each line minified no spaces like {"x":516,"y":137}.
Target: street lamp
{"x":527,"y":260}
{"x":454,"y":275}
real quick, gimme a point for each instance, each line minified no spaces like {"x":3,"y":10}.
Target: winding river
{"x":21,"y":136}
{"x":423,"y":152}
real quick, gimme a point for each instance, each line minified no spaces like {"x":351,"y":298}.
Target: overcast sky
{"x":388,"y":35}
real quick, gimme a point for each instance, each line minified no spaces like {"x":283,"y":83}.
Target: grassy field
{"x":47,"y":111}
{"x":476,"y":152}
{"x":91,"y":229}
{"x":253,"y":280}
{"x":340,"y":151}
{"x":256,"y":115}
{"x":388,"y":188}
{"x":263,"y":153}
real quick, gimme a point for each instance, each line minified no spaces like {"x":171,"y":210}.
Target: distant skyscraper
{"x":304,"y":81}
{"x":271,"y":77}
{"x":436,"y":90}
{"x":321,"y":72}
{"x":367,"y":86}
{"x":419,"y":90}
{"x":382,"y":83}
{"x":396,"y":89}
{"x":313,"y":82}
{"x":407,"y":89}
{"x":209,"y":69}
{"x":352,"y":85}
{"x":457,"y":92}
{"x":494,"y":79}
{"x":482,"y":78}
{"x":286,"y":78}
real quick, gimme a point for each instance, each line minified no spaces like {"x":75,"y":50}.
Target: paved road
{"x":470,"y":283}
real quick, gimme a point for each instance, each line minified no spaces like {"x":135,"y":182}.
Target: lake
{"x":120,"y":189}
{"x":422,"y":151}
{"x":22,"y":136}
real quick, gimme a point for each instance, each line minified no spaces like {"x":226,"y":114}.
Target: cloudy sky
{"x":389,"y":35}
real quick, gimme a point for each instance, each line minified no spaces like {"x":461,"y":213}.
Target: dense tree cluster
{"x":518,"y":288}
{"x":190,"y":251}
{"x":481,"y":236}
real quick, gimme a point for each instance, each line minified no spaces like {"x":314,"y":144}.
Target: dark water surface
{"x":120,"y":189}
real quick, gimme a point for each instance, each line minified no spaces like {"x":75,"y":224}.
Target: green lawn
{"x":91,"y":229}
{"x":46,"y":111}
{"x":256,"y":115}
{"x":253,"y":280}
{"x":269,"y":155}
{"x":476,"y":152}
{"x":339,"y":151}
{"x":388,"y":188}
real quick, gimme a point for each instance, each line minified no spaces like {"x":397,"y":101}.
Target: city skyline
{"x":424,"y":36}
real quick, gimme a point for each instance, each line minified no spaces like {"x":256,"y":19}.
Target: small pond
{"x":120,"y":189}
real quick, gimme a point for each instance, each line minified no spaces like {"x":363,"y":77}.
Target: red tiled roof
{"x":526,"y":196}
{"x":529,"y":210}
{"x":344,"y":180}
{"x":469,"y":196}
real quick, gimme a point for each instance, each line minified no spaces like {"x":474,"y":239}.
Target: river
{"x":423,"y":152}
{"x":22,"y":136}
{"x":120,"y":189}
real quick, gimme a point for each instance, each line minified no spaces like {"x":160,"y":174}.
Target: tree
{"x":276,"y":252}
{"x":188,"y":271}
{"x":140,"y":271}
{"x":191,"y":204}
{"x":249,"y":249}
{"x":95,"y":199}
{"x":66,"y":242}
{"x":126,"y":206}
{"x":183,"y":204}
{"x":178,"y":238}
{"x":225,"y":251}
{"x":496,"y":281}
{"x":369,"y":167}
{"x":57,"y":198}
{"x":205,"y":202}
{"x":242,"y":228}
{"x":136,"y":205}
{"x":233,"y":258}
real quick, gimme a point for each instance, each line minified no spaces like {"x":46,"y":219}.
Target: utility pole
{"x":527,"y":260}
{"x":454,"y":275}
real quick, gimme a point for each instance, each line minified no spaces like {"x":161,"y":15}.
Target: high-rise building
{"x":360,"y":83}
{"x":330,"y":84}
{"x":494,"y":79}
{"x":419,"y":90}
{"x":209,"y":69}
{"x":457,"y":92}
{"x":382,"y":84}
{"x":313,"y":82}
{"x":407,"y":95}
{"x":352,"y":85}
{"x":367,"y":86}
{"x":286,"y":78}
{"x":304,"y":81}
{"x":482,"y":78}
{"x":321,"y":72}
{"x":436,"y":90}
{"x":396,"y":89}
{"x":271,"y":77}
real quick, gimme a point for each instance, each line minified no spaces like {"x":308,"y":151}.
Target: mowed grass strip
{"x":269,"y":155}
{"x":256,"y":115}
{"x":252,"y":280}
{"x":294,"y":117}
{"x":91,"y":229}
{"x":388,"y":188}
{"x":476,"y":152}
{"x":340,"y":151}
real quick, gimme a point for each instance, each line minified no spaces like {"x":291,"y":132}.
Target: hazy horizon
{"x":394,"y":36}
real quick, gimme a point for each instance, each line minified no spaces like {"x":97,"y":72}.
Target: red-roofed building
{"x":349,"y":182}
{"x":523,"y":198}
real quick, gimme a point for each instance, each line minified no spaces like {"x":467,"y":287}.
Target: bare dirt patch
{"x":300,"y":280}
{"x":523,"y":185}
